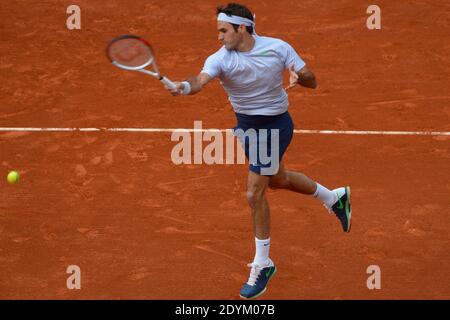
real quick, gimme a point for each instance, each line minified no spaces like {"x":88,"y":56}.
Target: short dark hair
{"x":237,"y":9}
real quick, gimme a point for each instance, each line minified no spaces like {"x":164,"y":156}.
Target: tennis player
{"x":250,"y":69}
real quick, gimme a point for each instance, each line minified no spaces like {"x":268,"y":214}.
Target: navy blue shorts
{"x":265,"y":140}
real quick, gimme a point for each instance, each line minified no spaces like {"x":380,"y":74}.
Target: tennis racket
{"x":133,"y":53}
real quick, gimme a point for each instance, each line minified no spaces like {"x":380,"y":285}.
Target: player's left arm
{"x":303,"y":77}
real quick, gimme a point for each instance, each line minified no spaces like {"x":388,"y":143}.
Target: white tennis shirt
{"x":253,"y":80}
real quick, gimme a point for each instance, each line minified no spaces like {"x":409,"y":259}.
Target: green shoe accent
{"x":340,"y":205}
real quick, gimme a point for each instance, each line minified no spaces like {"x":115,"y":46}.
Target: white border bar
{"x":169,"y":130}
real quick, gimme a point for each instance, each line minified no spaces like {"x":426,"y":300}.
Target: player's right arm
{"x":197,"y":83}
{"x":211,"y":69}
{"x":306,"y":78}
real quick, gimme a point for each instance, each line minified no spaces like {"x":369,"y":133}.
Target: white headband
{"x":236,"y":20}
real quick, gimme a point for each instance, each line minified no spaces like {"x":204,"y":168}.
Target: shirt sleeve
{"x":212,"y":66}
{"x":292,"y":58}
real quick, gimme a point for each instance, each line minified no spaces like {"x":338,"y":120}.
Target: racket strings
{"x":130,"y":52}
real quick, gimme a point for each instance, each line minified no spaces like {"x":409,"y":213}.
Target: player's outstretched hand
{"x":178,"y":90}
{"x":293,"y":78}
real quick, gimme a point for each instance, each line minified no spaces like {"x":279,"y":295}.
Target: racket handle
{"x":168,"y":83}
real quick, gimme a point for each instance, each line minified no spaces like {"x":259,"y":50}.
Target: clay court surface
{"x":140,"y":227}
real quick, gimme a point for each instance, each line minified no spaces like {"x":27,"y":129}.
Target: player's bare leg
{"x":262,"y":268}
{"x":256,"y":188}
{"x":336,"y":201}
{"x":294,"y":181}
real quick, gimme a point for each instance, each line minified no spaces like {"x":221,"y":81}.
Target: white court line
{"x":348,"y":132}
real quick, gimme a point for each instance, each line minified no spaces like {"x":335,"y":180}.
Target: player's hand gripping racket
{"x":131,"y":52}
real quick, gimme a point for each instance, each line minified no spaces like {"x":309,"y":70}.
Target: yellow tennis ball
{"x":13,"y":177}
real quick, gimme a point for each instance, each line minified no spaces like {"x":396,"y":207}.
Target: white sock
{"x":326,"y":196}
{"x":262,"y":251}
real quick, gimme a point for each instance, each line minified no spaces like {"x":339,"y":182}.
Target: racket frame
{"x":142,"y":67}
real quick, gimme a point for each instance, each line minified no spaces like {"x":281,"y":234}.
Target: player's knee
{"x":254,"y":197}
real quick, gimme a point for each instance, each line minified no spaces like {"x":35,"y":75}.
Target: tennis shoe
{"x":342,"y":208}
{"x":258,"y":280}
